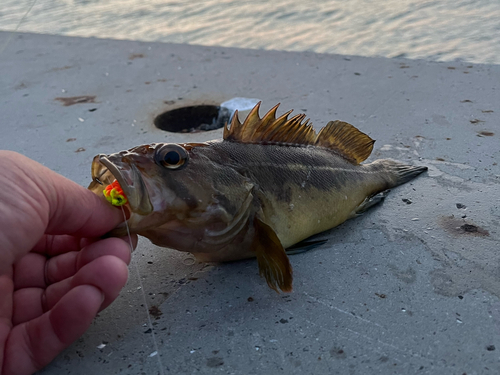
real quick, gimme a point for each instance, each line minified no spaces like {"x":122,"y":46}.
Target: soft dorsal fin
{"x":346,"y":139}
{"x":338,"y":136}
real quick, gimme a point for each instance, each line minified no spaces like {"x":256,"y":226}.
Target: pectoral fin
{"x":369,"y":203}
{"x":304,"y":246}
{"x":271,"y":257}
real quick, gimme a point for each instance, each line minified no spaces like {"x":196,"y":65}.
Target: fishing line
{"x":150,"y":324}
{"x":11,"y":35}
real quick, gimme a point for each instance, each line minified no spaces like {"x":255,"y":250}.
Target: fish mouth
{"x":104,"y":172}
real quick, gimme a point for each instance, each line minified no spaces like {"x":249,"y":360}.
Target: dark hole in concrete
{"x":192,"y":119}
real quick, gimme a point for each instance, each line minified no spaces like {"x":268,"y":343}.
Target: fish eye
{"x":171,"y":156}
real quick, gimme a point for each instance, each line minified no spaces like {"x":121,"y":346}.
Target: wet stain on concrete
{"x":408,"y":276}
{"x":460,"y":227}
{"x":105,"y":140}
{"x":440,"y":120}
{"x":20,"y":86}
{"x":453,"y":280}
{"x":76,"y":100}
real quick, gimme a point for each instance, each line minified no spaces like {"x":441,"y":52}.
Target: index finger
{"x":61,"y":205}
{"x":77,"y":211}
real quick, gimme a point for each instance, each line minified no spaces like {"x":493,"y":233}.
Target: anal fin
{"x":271,"y":257}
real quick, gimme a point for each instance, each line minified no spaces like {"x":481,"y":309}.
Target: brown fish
{"x":269,"y":184}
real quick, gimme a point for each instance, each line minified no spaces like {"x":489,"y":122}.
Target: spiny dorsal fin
{"x":336,"y":135}
{"x":346,"y":139}
{"x":270,"y":129}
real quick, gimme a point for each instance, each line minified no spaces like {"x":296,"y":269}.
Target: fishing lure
{"x":114,"y":194}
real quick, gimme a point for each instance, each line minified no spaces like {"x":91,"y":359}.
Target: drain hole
{"x":192,"y":119}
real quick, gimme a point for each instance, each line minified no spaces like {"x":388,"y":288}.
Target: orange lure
{"x":114,"y":194}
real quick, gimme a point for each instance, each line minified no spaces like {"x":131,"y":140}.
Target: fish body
{"x":269,"y":184}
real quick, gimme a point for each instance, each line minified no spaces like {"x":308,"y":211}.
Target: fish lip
{"x":134,"y":188}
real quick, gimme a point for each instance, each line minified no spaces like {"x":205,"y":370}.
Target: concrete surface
{"x":400,"y":290}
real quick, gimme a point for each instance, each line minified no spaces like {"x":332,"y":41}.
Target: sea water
{"x":440,"y":30}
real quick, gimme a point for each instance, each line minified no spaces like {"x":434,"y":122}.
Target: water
{"x":440,"y":30}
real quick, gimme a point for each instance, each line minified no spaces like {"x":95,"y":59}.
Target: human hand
{"x":55,"y":272}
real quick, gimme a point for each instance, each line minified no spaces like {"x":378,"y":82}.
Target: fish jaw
{"x":156,"y":194}
{"x":106,"y":169}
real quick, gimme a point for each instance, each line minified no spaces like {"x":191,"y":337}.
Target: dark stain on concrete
{"x":461,"y":227}
{"x":134,"y":56}
{"x":155,"y":312}
{"x":475,"y":121}
{"x":485,"y":133}
{"x":61,"y":68}
{"x":215,"y":362}
{"x":337,"y":353}
{"x":76,"y":100}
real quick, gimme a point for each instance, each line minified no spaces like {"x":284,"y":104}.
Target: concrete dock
{"x":410,"y":287}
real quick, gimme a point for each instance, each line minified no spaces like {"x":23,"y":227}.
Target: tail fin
{"x":398,"y":173}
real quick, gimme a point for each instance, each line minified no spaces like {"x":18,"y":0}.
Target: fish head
{"x":161,"y":182}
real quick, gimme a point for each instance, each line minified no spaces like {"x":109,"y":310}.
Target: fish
{"x":260,"y":192}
